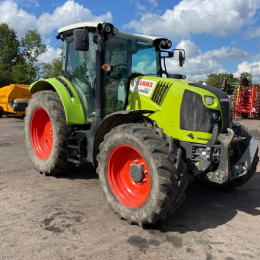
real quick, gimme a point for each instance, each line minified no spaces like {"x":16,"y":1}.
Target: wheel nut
{"x":145,"y":172}
{"x":236,"y":167}
{"x":136,"y":161}
{"x":210,"y":175}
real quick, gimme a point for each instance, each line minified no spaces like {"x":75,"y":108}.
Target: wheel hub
{"x":137,"y":172}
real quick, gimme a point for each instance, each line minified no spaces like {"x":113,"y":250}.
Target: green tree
{"x":53,"y":69}
{"x":21,"y":73}
{"x":9,"y":53}
{"x":247,"y":75}
{"x":32,"y":47}
{"x":217,"y":79}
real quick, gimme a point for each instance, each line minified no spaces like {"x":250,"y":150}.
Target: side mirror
{"x":181,"y":58}
{"x":80,"y":39}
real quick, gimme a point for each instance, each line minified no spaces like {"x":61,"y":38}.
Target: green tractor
{"x":116,"y":106}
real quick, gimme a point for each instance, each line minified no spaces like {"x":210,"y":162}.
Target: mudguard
{"x":71,"y":102}
{"x":113,"y":120}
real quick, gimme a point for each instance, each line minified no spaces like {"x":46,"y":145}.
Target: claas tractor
{"x":14,"y":99}
{"x":116,"y":105}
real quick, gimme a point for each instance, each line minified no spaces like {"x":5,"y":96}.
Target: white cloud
{"x":49,"y":55}
{"x":254,"y":32}
{"x":191,"y":49}
{"x":195,"y":68}
{"x":217,"y":17}
{"x":152,"y":2}
{"x":17,"y":19}
{"x":251,"y":67}
{"x":199,"y":64}
{"x":70,"y":12}
{"x":226,"y":53}
{"x":139,"y":6}
{"x":28,"y":3}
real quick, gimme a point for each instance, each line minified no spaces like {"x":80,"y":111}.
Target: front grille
{"x":195,"y":116}
{"x":223,"y":101}
{"x":160,"y":92}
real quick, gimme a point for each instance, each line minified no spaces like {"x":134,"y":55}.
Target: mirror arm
{"x":165,"y":65}
{"x":84,"y":38}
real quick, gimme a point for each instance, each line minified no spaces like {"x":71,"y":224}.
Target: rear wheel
{"x":46,"y":133}
{"x":140,"y":176}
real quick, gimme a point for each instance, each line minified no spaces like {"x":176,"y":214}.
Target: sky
{"x":219,"y":36}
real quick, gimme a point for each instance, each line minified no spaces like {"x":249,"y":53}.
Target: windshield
{"x":137,"y":54}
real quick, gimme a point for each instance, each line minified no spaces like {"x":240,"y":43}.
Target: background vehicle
{"x":14,"y":99}
{"x":113,"y":107}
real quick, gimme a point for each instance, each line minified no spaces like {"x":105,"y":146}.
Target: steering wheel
{"x":119,"y":71}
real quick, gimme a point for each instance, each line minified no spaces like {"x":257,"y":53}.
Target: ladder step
{"x":73,"y":161}
{"x":73,"y":147}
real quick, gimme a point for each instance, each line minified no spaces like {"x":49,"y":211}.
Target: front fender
{"x":70,"y":100}
{"x":113,"y":120}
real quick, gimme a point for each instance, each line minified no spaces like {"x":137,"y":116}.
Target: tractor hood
{"x":180,"y":106}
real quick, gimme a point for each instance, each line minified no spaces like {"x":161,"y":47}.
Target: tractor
{"x":144,"y":129}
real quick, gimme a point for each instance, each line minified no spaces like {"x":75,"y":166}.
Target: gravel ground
{"x":68,"y":217}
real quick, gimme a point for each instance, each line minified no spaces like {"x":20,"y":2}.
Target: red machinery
{"x":246,"y":101}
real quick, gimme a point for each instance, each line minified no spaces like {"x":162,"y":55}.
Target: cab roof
{"x":68,"y":30}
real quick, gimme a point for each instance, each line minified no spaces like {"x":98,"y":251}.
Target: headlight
{"x":216,"y":116}
{"x":165,"y":44}
{"x":209,"y":100}
{"x":169,"y":44}
{"x":108,"y":29}
{"x":115,"y":31}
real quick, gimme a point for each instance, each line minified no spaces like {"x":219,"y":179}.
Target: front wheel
{"x":140,"y":176}
{"x":46,"y":133}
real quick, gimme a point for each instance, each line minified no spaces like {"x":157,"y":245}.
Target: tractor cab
{"x":124,"y":57}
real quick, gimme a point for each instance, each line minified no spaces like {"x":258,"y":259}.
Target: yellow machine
{"x":14,"y":99}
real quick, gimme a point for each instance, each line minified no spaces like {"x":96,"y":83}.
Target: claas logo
{"x":145,"y":83}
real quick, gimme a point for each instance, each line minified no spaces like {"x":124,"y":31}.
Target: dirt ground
{"x":68,"y":217}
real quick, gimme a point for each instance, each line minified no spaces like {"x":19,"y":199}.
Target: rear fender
{"x":71,"y":103}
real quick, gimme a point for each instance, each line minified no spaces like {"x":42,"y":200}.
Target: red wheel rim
{"x":41,"y":133}
{"x":130,"y":193}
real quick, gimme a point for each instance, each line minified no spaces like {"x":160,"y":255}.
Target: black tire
{"x":1,"y":112}
{"x":57,"y":162}
{"x":243,"y":115}
{"x":167,"y":176}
